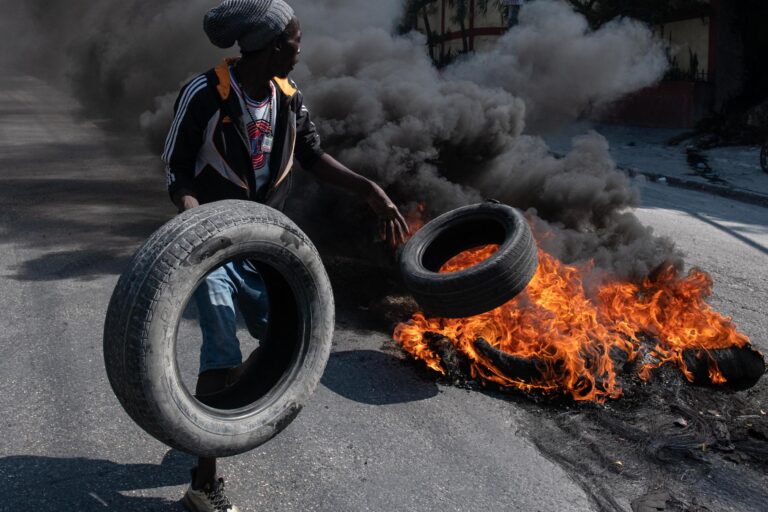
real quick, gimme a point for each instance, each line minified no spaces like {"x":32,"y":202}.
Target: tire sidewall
{"x":181,"y":420}
{"x":482,"y":286}
{"x":412,"y":256}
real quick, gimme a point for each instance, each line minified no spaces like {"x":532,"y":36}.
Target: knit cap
{"x":251,"y":23}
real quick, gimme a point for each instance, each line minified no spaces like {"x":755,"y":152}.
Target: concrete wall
{"x":679,"y":104}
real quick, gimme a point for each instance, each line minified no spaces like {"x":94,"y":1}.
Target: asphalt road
{"x":76,"y":202}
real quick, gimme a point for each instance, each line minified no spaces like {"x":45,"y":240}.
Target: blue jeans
{"x":236,"y":283}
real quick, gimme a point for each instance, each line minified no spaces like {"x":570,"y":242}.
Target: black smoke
{"x":446,"y":138}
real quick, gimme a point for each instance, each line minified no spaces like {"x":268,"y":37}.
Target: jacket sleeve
{"x":308,"y":150}
{"x":185,"y":137}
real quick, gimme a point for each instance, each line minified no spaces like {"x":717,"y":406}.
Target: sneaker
{"x":210,"y":498}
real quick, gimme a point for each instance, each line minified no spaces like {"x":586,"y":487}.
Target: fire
{"x":580,"y":335}
{"x":414,"y":218}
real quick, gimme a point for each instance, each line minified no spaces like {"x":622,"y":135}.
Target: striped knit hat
{"x":251,"y":23}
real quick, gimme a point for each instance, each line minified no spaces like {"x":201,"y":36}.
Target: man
{"x":236,"y":131}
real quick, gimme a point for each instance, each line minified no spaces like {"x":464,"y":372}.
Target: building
{"x":706,"y":71}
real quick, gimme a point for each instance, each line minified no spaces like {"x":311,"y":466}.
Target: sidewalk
{"x":731,"y":171}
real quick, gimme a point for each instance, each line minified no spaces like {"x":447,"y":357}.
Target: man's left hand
{"x":393,"y":227}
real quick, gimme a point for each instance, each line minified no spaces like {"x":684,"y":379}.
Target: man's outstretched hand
{"x":392,"y":225}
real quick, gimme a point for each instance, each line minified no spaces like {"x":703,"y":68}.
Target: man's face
{"x":287,"y":50}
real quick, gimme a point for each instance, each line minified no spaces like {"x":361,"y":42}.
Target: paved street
{"x":726,"y":238}
{"x":76,"y":202}
{"x":729,"y":170}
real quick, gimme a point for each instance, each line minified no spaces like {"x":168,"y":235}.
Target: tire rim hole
{"x":269,"y":343}
{"x":469,"y":258}
{"x":461,"y":236}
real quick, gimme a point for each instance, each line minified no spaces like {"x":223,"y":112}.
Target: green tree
{"x":414,"y":9}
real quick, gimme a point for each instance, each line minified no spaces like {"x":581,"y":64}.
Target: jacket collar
{"x":224,"y":86}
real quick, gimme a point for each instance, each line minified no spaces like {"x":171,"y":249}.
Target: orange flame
{"x":414,"y":218}
{"x":575,"y":332}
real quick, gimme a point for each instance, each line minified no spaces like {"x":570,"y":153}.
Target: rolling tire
{"x":479,"y":288}
{"x":151,"y":295}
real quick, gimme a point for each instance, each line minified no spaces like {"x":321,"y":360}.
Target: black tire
{"x":482,"y":287}
{"x":151,"y":295}
{"x":764,"y":157}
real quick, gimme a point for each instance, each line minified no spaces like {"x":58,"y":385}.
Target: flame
{"x":414,"y":218}
{"x":577,"y":332}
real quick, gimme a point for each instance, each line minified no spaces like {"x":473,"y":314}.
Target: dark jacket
{"x":207,"y":151}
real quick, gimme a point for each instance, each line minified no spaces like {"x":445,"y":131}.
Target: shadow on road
{"x":53,"y":484}
{"x":741,"y":221}
{"x":732,"y":232}
{"x":82,"y":265}
{"x":93,"y":226}
{"x":375,"y":378}
{"x":77,"y":200}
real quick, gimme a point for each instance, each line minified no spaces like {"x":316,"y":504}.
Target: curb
{"x":742,"y":195}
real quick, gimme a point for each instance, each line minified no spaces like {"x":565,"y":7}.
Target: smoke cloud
{"x":561,"y":68}
{"x":447,"y":137}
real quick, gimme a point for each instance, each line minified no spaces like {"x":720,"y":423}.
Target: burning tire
{"x":147,"y":304}
{"x":481,"y":287}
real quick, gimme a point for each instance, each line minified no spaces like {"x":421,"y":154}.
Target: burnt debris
{"x":741,"y":367}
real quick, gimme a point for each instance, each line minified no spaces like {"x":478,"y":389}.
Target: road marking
{"x":94,"y":496}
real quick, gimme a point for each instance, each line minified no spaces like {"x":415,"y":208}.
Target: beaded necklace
{"x":267,"y":142}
